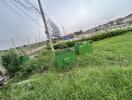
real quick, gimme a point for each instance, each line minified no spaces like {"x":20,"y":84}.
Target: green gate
{"x":23,"y":59}
{"x":83,"y":47}
{"x":64,"y":57}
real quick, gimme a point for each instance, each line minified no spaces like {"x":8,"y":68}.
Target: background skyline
{"x":74,"y":15}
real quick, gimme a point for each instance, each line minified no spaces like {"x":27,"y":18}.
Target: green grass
{"x":113,"y":51}
{"x":106,"y":74}
{"x":112,"y":83}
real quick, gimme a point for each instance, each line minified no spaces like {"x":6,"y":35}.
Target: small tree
{"x":10,"y":61}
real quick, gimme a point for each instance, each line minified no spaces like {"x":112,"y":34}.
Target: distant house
{"x":68,"y":37}
{"x":129,"y":16}
{"x":119,"y":21}
{"x":78,"y":33}
{"x":128,"y":19}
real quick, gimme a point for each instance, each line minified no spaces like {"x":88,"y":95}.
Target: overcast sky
{"x":73,"y":15}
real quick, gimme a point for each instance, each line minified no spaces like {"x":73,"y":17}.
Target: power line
{"x":27,"y":5}
{"x":46,"y":28}
{"x":9,"y":30}
{"x":24,"y":6}
{"x":39,"y":33}
{"x":13,"y":43}
{"x":35,"y":8}
{"x":14,"y":12}
{"x":48,"y":4}
{"x":53,"y":3}
{"x":26,"y":14}
{"x":53,"y":27}
{"x":52,"y":10}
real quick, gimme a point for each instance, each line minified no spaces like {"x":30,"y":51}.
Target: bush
{"x":34,"y":66}
{"x":28,"y":69}
{"x":96,"y":37}
{"x":10,"y":62}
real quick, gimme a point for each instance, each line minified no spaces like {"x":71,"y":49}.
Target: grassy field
{"x":106,"y":74}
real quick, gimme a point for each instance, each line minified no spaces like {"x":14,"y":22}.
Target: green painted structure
{"x":65,"y":57}
{"x":23,"y":59}
{"x":84,"y":47}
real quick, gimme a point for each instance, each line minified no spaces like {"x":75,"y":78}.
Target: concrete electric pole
{"x":46,"y":27}
{"x":14,"y":45}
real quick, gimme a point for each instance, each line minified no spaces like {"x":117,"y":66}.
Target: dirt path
{"x":35,"y":51}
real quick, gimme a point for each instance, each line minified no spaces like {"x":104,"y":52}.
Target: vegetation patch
{"x":104,"y":74}
{"x":98,"y":37}
{"x":111,"y":83}
{"x":11,"y":62}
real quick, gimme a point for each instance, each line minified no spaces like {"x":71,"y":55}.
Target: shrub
{"x":28,"y":69}
{"x":10,"y":62}
{"x":34,"y":66}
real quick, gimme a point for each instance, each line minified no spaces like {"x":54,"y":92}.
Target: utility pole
{"x":29,"y":45}
{"x":14,"y":44}
{"x":64,"y":32}
{"x":28,"y":41}
{"x":46,"y":27}
{"x":36,"y":40}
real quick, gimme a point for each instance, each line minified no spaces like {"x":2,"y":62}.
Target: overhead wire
{"x":51,"y":2}
{"x":14,"y":12}
{"x":37,"y":11}
{"x":32,"y":5}
{"x":56,"y":11}
{"x":23,"y":5}
{"x":9,"y":29}
{"x":53,"y":27}
{"x":26,"y":14}
{"x":52,"y":12}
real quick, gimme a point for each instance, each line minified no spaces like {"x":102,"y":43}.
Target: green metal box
{"x":23,"y":59}
{"x":64,"y":57}
{"x":83,"y":47}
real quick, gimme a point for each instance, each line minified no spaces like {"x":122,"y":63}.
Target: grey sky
{"x":72,"y":14}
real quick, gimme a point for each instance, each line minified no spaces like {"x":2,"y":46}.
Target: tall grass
{"x":112,"y":83}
